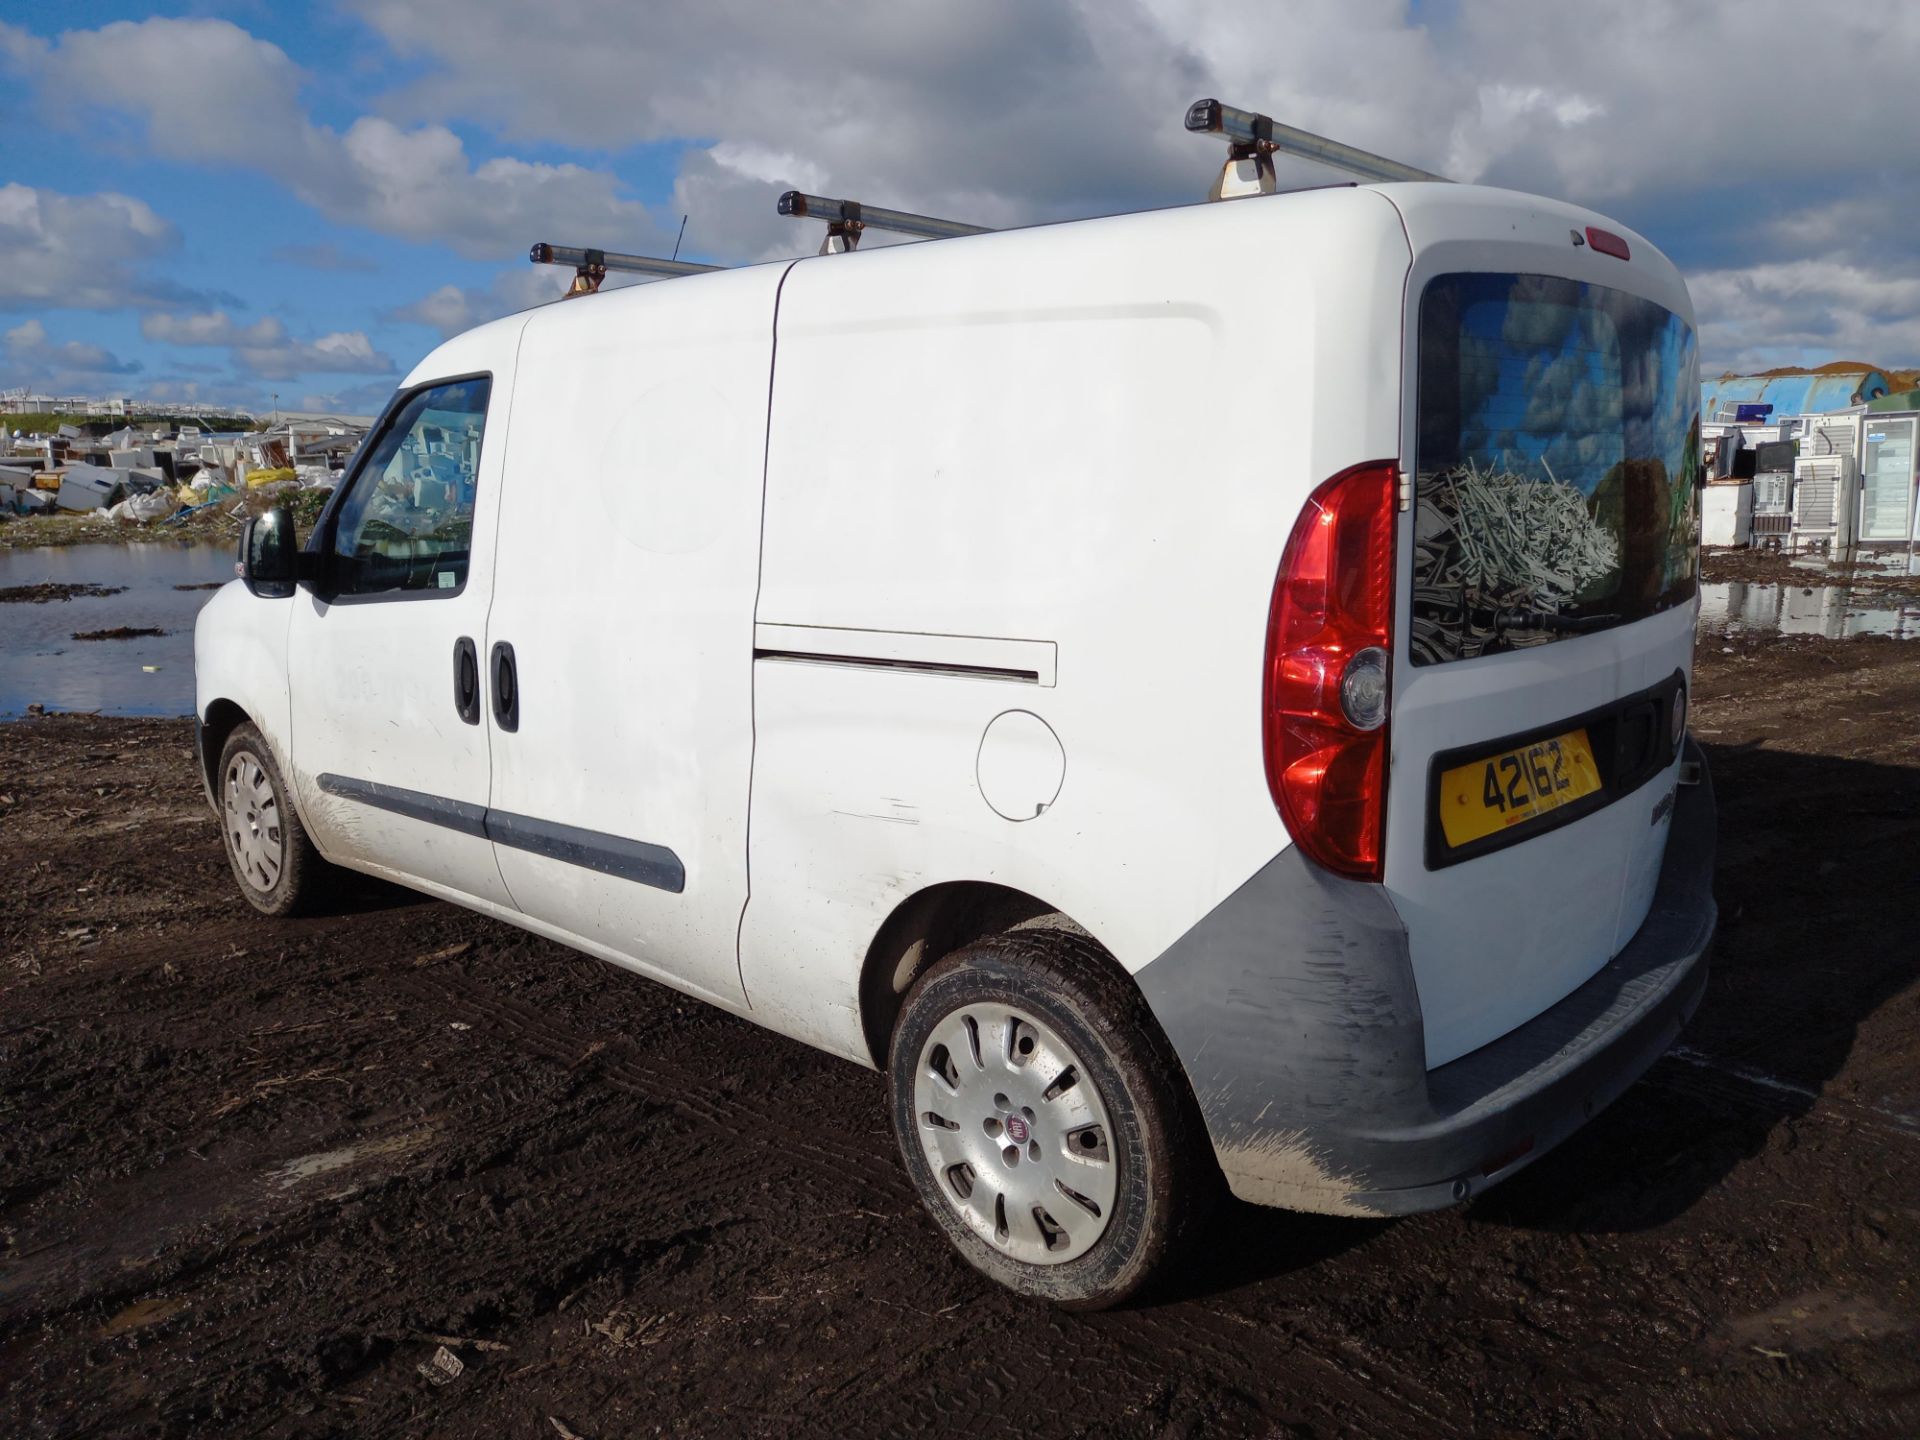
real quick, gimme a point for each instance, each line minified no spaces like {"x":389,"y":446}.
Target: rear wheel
{"x":1045,"y":1120}
{"x":279,"y":871}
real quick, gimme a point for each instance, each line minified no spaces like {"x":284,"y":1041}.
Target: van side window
{"x":407,"y":522}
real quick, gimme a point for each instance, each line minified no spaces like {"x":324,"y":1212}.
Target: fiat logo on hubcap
{"x":1017,"y":1130}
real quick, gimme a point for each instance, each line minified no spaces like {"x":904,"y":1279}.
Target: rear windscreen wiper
{"x":1561,"y":624}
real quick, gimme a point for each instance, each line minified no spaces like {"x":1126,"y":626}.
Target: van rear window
{"x":1557,"y":464}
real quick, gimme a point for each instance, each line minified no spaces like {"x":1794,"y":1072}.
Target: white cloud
{"x":995,"y":112}
{"x":1685,"y":94}
{"x":58,"y":365}
{"x":81,"y":252}
{"x":453,"y":308}
{"x":346,"y":352}
{"x":450,"y":309}
{"x":265,"y":351}
{"x":20,"y":48}
{"x":1764,"y":315}
{"x":213,"y":327}
{"x":355,"y":400}
{"x":208,"y":92}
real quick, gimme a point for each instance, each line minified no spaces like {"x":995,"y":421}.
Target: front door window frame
{"x":320,"y":542}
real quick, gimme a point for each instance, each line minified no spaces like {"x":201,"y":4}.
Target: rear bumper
{"x":1294,"y":1010}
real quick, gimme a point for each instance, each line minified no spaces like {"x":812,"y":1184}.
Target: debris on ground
{"x":152,"y":484}
{"x":444,"y":1368}
{"x":119,"y":632}
{"x":1873,"y":575}
{"x":43,"y":593}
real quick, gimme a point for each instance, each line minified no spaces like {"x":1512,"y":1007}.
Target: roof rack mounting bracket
{"x":1248,"y":171}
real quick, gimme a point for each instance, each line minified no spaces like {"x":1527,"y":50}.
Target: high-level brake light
{"x":1326,"y":691}
{"x":1605,"y":242}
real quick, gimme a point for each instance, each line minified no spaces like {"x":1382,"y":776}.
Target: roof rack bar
{"x":590,"y":267}
{"x":847,"y":218}
{"x":1260,"y":135}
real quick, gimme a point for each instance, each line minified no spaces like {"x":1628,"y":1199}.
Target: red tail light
{"x":1328,"y":642}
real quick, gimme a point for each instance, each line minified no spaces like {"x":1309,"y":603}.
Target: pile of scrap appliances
{"x":1824,"y":459}
{"x":143,"y":474}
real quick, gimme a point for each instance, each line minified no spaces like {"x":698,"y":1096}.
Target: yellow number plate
{"x":1502,"y":791}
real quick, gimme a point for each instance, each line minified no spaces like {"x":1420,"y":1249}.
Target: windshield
{"x":1557,"y":464}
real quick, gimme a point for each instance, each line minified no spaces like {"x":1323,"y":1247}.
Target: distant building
{"x":24,"y":402}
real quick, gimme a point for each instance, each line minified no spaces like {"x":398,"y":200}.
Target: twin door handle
{"x":505,"y":683}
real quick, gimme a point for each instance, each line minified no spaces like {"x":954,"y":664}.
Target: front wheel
{"x":279,"y":871}
{"x":1045,"y":1121}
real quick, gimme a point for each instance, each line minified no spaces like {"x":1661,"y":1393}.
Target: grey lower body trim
{"x":636,"y":860}
{"x":615,"y":855}
{"x":461,"y":815}
{"x":1293,"y":1008}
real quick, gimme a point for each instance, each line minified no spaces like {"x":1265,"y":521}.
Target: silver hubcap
{"x":1017,"y":1137}
{"x":253,"y":822}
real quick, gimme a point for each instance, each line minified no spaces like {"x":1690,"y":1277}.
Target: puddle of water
{"x":1829,"y":610}
{"x":1812,"y":1321}
{"x":141,"y":1314}
{"x":40,"y":662}
{"x":1874,"y":562}
{"x":319,"y":1163}
{"x":323,"y":1161}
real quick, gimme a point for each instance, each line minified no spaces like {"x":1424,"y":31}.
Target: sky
{"x":233,"y":202}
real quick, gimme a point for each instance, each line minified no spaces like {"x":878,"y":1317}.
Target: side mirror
{"x":269,"y":559}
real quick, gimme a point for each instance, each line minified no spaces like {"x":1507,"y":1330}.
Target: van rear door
{"x":1545,"y":617}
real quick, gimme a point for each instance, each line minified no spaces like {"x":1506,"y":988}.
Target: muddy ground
{"x":253,"y":1176}
{"x":1878,"y":576}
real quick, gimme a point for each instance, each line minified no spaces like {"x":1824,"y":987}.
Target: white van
{"x":1188,"y":694}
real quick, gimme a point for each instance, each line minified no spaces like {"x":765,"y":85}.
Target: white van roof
{"x":1483,"y":227}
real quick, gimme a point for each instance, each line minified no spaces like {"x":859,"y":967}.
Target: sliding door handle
{"x":506,"y":687}
{"x":466,"y":680}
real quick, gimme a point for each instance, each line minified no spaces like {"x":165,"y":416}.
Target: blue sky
{"x":241,"y":244}
{"x":231,"y":201}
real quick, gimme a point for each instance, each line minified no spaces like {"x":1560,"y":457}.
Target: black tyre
{"x":1045,"y":1120}
{"x":279,"y":871}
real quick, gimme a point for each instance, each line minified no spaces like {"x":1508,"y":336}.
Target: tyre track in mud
{"x":620,"y":1065}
